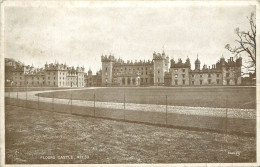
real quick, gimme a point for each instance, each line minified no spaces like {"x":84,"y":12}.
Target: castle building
{"x":10,"y":64}
{"x":116,"y":72}
{"x":93,"y":80}
{"x":52,"y":75}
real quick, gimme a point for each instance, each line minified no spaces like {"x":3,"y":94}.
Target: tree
{"x":246,"y":42}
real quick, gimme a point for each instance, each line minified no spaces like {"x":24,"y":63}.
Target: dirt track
{"x":203,"y":111}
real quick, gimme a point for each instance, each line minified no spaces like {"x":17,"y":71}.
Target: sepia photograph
{"x":165,"y":83}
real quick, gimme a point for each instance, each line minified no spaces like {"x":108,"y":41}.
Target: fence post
{"x":53,"y":102}
{"x":124,"y":106}
{"x":38,"y":102}
{"x":226,"y":112}
{"x":71,"y":103}
{"x":17,"y":98}
{"x":94,"y":105}
{"x":26,"y":99}
{"x":166,"y":109}
{"x":9,"y":100}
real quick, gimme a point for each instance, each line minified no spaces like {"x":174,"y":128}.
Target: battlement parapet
{"x":180,"y":64}
{"x":106,"y":58}
{"x":229,"y":63}
{"x":158,"y":56}
{"x":130,"y":63}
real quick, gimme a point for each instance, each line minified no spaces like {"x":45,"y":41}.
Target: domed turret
{"x":197,"y":63}
{"x":187,"y":63}
{"x":89,"y":72}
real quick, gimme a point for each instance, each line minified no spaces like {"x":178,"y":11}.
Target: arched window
{"x":123,"y":81}
{"x":133,"y":80}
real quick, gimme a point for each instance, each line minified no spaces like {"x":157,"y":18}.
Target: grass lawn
{"x":222,"y":97}
{"x":34,"y":135}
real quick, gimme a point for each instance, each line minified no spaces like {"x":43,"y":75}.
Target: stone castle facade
{"x":52,"y":75}
{"x":161,"y":71}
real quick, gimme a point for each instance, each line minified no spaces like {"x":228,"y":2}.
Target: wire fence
{"x":200,"y":112}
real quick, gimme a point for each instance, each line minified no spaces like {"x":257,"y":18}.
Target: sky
{"x":79,"y":36}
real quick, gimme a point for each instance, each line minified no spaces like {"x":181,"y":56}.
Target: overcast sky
{"x":79,"y":36}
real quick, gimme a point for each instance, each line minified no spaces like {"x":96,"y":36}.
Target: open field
{"x":219,"y":97}
{"x":31,"y":135}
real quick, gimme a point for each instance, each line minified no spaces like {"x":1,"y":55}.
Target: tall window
{"x":228,"y":81}
{"x":176,"y":82}
{"x":183,"y":75}
{"x":183,"y":82}
{"x":128,"y":81}
{"x":200,"y":82}
{"x":209,"y":81}
{"x":158,"y":79}
{"x":217,"y":81}
{"x":192,"y":82}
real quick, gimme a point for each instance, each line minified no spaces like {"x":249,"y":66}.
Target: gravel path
{"x":204,"y":111}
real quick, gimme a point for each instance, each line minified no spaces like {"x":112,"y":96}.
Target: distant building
{"x":93,"y":80}
{"x":116,"y":72}
{"x":250,"y":79}
{"x":221,"y":73}
{"x":10,"y":65}
{"x":52,"y":75}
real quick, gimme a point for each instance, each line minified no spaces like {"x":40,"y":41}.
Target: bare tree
{"x":246,"y":42}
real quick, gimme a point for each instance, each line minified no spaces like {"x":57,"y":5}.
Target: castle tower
{"x":107,"y":67}
{"x":89,"y":72}
{"x":197,"y":63}
{"x":167,"y":64}
{"x":159,"y":68}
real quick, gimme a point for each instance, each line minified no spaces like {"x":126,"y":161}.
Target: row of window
{"x":193,"y":82}
{"x":128,"y":81}
{"x":141,"y":68}
{"x":183,"y":75}
{"x":49,"y":83}
{"x":183,"y":70}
